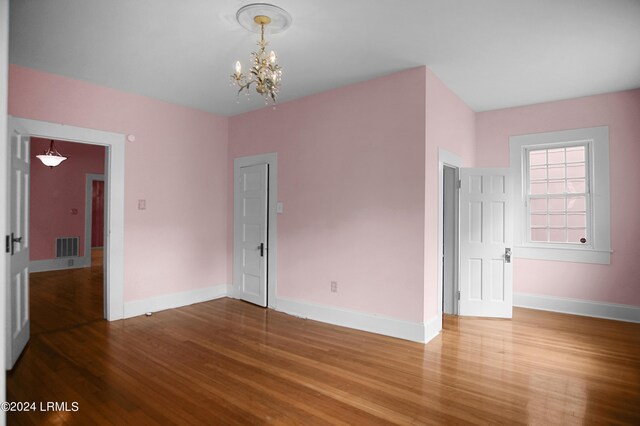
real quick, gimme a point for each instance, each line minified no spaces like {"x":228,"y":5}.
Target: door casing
{"x":272,"y":237}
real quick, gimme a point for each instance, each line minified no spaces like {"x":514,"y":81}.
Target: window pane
{"x":574,"y":235}
{"x":556,"y":204}
{"x":557,"y":235}
{"x":538,"y":188}
{"x":556,"y":156}
{"x":556,"y":187}
{"x":557,"y":220}
{"x":538,"y":173}
{"x":575,"y":154}
{"x":538,"y":220}
{"x":556,"y":172}
{"x":539,"y":235}
{"x":576,"y":186}
{"x":538,"y":204}
{"x":576,"y":204}
{"x":538,"y":157}
{"x":575,"y":170}
{"x":577,"y":220}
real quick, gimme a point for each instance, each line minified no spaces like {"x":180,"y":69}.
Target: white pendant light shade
{"x":51,"y":160}
{"x":52,"y":157}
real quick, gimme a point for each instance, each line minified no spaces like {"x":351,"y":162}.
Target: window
{"x":562,"y":200}
{"x":558,"y":195}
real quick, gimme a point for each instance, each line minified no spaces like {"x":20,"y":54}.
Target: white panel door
{"x":251,"y":218}
{"x":486,"y":235}
{"x":18,"y":247}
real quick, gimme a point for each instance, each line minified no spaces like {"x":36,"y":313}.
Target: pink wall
{"x":618,"y":282}
{"x":351,"y":177}
{"x":450,"y":124}
{"x":56,"y":193}
{"x":178,"y":164}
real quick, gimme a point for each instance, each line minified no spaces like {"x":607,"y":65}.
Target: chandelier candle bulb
{"x":238,"y":68}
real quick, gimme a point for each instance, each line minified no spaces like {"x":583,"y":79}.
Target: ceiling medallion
{"x":264,"y":73}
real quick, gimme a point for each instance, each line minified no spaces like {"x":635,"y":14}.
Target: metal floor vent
{"x":67,"y":246}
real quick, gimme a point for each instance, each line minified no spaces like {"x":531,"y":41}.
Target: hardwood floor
{"x":228,"y":362}
{"x":68,"y":298}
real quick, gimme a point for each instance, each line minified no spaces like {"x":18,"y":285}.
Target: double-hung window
{"x":562,"y":195}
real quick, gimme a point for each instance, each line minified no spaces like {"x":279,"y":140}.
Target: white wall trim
{"x":272,"y":254}
{"x":174,"y":300}
{"x":59,"y":264}
{"x":114,"y":196}
{"x":578,"y":307}
{"x":432,"y":328}
{"x":415,"y":331}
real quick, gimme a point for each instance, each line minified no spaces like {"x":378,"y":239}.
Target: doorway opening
{"x":67,"y":286}
{"x":448,"y":231}
{"x":20,"y":130}
{"x":449,"y":240}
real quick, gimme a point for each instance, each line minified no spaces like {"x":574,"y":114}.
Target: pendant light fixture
{"x":52,"y":157}
{"x":265,"y":73}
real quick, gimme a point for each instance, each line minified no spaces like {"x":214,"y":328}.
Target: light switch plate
{"x":142,"y":204}
{"x":279,"y":207}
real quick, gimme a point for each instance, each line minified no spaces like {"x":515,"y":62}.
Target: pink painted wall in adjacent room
{"x":56,"y":193}
{"x":351,"y":177}
{"x":178,"y":164}
{"x":618,"y":282}
{"x":450,"y":124}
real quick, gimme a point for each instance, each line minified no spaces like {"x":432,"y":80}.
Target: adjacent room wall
{"x":351,"y":177}
{"x":615,"y":283}
{"x":57,"y":197}
{"x":450,"y":124}
{"x":178,"y":164}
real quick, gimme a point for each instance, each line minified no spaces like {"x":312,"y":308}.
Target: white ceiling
{"x":492,"y":53}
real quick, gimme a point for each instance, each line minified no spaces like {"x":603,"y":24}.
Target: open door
{"x":17,"y":245}
{"x":486,"y":235}
{"x":251,"y":230}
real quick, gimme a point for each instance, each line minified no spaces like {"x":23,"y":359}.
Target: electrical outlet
{"x":70,"y":262}
{"x":334,"y":286}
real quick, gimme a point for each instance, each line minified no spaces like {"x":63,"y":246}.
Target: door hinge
{"x":459,"y":183}
{"x":458,"y":294}
{"x":7,"y":247}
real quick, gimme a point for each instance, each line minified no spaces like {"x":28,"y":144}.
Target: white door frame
{"x":114,"y":197}
{"x":88,"y":224}
{"x":272,"y":237}
{"x":446,"y":158}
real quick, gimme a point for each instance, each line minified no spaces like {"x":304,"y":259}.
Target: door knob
{"x":507,"y":255}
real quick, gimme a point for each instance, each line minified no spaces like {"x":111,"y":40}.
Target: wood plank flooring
{"x":229,"y":362}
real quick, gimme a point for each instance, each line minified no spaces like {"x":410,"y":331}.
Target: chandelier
{"x":264,"y":73}
{"x":52,"y":157}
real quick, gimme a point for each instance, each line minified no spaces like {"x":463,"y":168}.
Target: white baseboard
{"x":578,"y":307}
{"x":174,"y":300}
{"x":415,"y":331}
{"x":59,"y":264}
{"x":432,"y":328}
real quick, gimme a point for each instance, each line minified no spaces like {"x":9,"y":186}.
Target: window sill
{"x":562,"y":254}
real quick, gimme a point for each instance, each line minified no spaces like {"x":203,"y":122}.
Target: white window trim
{"x":599,"y":251}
